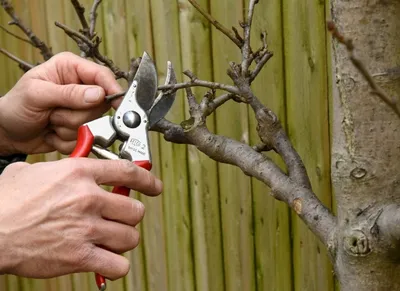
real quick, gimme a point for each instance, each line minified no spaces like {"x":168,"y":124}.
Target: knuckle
{"x":88,"y":200}
{"x":75,"y":168}
{"x":127,"y":168}
{"x":63,"y":57}
{"x":14,"y":167}
{"x":105,"y":72}
{"x":90,"y":230}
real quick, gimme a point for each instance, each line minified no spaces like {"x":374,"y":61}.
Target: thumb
{"x":74,"y":96}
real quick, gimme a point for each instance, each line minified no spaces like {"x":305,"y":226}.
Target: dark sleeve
{"x":7,"y":160}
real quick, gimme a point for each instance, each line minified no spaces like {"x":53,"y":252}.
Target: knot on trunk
{"x":356,"y":243}
{"x":267,"y":127}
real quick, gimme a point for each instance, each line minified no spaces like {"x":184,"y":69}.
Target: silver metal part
{"x":146,"y":80}
{"x":164,"y":102}
{"x":136,"y":144}
{"x":103,"y":153}
{"x":131,"y":119}
{"x":103,"y":131}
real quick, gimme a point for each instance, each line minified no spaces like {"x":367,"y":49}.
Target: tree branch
{"x":93,"y":17}
{"x":216,"y":24}
{"x":225,"y":150}
{"x":212,"y":105}
{"x":25,"y":66}
{"x":36,"y":42}
{"x":194,"y":82}
{"x":264,"y":59}
{"x":16,"y":36}
{"x":392,"y":102}
{"x":80,"y":11}
{"x":172,"y":132}
{"x":93,"y":50}
{"x":246,"y":48}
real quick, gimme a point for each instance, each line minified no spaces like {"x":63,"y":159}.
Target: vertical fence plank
{"x":114,"y":36}
{"x":80,"y":281}
{"x":271,"y":217}
{"x":9,"y":43}
{"x":57,"y":41}
{"x":235,"y":188}
{"x":3,"y":283}
{"x":139,"y":27}
{"x":165,"y":24}
{"x":150,"y":272}
{"x":307,"y":111}
{"x":203,"y":179}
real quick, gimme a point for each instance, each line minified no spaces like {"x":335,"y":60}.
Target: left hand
{"x":44,"y":110}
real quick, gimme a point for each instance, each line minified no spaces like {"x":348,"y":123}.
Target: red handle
{"x":100,"y":280}
{"x":84,"y":142}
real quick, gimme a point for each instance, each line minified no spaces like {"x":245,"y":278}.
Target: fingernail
{"x":92,"y":95}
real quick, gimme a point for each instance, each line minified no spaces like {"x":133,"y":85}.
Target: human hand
{"x":55,"y":219}
{"x":43,"y":111}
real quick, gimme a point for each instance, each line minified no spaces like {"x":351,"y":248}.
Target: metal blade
{"x":164,"y":101}
{"x":146,"y":77}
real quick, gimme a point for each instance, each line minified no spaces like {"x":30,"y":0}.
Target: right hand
{"x":55,"y":219}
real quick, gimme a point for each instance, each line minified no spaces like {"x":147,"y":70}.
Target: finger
{"x":16,"y":167}
{"x":65,"y":134}
{"x":106,"y":263}
{"x":116,"y":237}
{"x":73,"y":96}
{"x":121,"y":208}
{"x":72,"y":67}
{"x":119,"y":173}
{"x":64,"y":147}
{"x":75,"y":118}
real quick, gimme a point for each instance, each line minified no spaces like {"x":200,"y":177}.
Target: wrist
{"x":5,"y":255}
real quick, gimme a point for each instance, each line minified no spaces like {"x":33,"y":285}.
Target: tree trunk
{"x":365,"y":148}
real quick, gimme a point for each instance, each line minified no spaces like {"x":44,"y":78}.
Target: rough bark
{"x":365,"y":149}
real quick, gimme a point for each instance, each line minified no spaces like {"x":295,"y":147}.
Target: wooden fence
{"x":213,"y":228}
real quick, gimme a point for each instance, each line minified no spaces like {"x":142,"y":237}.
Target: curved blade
{"x":164,"y":101}
{"x":146,"y":77}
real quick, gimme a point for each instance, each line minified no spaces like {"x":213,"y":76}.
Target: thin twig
{"x":93,"y":50}
{"x":25,"y":66}
{"x":201,"y":83}
{"x":133,"y":69}
{"x":36,"y":42}
{"x":263,"y":48}
{"x":16,"y":36}
{"x":390,"y":101}
{"x":217,"y":25}
{"x":217,"y":102}
{"x":93,"y":17}
{"x":246,"y":48}
{"x":80,"y":10}
{"x":114,"y":96}
{"x":264,"y":59}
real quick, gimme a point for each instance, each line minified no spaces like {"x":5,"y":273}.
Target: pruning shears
{"x":138,"y":111}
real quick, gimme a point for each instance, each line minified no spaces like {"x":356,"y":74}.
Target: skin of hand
{"x":56,"y":219}
{"x":43,"y":111}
